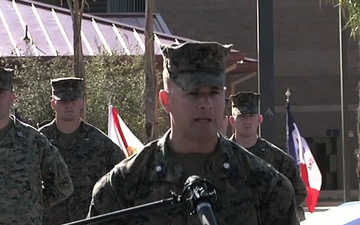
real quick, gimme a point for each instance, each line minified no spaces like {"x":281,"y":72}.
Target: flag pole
{"x":287,"y":94}
{"x":110,"y":97}
{"x":343,"y":40}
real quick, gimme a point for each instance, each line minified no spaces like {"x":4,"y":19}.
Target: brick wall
{"x":306,"y":56}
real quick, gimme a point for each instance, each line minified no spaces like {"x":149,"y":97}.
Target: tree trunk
{"x":358,"y":134}
{"x":78,"y":63}
{"x":150,"y":95}
{"x":358,"y":165}
{"x":79,"y":68}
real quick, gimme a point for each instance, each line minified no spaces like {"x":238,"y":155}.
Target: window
{"x":126,"y":6}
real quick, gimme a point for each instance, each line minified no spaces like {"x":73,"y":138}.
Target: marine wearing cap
{"x":194,"y":64}
{"x":67,"y":88}
{"x":245,"y":103}
{"x":227,"y":107}
{"x":6,"y":79}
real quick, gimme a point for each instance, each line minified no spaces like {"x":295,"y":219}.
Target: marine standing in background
{"x":249,"y":191}
{"x":33,"y":175}
{"x":88,"y":152}
{"x":246,"y":121}
{"x":225,"y":123}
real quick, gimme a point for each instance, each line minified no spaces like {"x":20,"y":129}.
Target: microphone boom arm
{"x":197,"y":195}
{"x":175,"y":199}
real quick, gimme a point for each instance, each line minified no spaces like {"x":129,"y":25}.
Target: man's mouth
{"x":203,"y":120}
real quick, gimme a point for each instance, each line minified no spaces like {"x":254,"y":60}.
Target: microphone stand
{"x":198,"y":194}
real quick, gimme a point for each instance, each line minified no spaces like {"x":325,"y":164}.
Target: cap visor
{"x":193,"y":81}
{"x":66,"y":97}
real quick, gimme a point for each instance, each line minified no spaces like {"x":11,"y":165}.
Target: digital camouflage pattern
{"x":227,"y":111}
{"x":67,"y":88}
{"x":245,"y":103}
{"x":248,"y":103}
{"x":194,"y":64}
{"x":91,"y":155}
{"x":282,"y":162}
{"x":6,"y":79}
{"x":33,"y":175}
{"x":250,"y":191}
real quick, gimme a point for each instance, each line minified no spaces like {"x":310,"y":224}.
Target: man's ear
{"x":13,"y":96}
{"x":164,"y":100}
{"x":232,"y":120}
{"x":82,"y":102}
{"x":261,"y":119}
{"x":53,"y":104}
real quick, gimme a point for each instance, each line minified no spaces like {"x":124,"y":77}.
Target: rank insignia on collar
{"x":226,"y":165}
{"x":158,"y":169}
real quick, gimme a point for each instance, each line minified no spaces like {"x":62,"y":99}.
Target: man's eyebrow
{"x":217,"y":89}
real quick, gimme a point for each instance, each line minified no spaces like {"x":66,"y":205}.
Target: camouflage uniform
{"x":282,"y":162}
{"x":32,"y":174}
{"x":247,"y":103}
{"x":250,"y":191}
{"x":91,"y":155}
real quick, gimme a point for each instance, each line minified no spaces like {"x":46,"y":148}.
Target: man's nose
{"x":69,"y":102}
{"x":205,"y":102}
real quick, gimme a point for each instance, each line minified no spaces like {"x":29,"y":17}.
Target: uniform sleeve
{"x":114,"y":155}
{"x":57,"y":184}
{"x":105,"y":199}
{"x":279,"y":203}
{"x":291,"y":171}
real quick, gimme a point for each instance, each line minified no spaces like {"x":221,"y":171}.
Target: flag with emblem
{"x":300,"y":151}
{"x":120,"y":134}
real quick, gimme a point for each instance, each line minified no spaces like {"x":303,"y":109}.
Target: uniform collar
{"x":222,"y":164}
{"x":18,"y":134}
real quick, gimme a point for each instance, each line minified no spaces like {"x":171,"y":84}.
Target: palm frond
{"x":351,"y":12}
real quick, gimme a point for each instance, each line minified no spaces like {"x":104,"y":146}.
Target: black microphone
{"x":198,"y":194}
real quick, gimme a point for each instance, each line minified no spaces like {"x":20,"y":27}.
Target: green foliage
{"x":32,"y":85}
{"x":351,"y":11}
{"x":118,"y":79}
{"x":115,"y":78}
